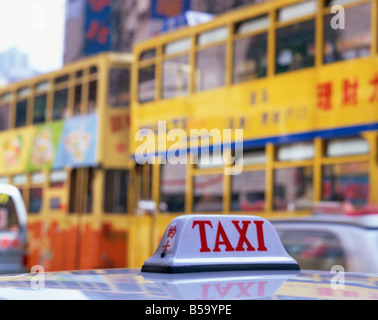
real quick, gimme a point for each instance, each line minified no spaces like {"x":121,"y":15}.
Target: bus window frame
{"x":247,"y":35}
{"x":109,"y":70}
{"x":373,"y":26}
{"x":39,"y":92}
{"x":176,"y":55}
{"x":142,"y":64}
{"x":211,"y":45}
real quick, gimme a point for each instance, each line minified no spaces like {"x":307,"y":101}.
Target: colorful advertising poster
{"x":14,"y":150}
{"x":163,"y":9}
{"x":78,"y":144}
{"x":44,"y":146}
{"x":97,"y":27}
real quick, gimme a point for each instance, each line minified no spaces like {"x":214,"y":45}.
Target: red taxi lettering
{"x":243,"y":238}
{"x":222,"y":234}
{"x":260,"y":236}
{"x":202,"y":229}
{"x":222,"y":238}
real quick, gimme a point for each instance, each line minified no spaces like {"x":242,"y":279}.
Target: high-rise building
{"x":14,"y":66}
{"x":93,"y":26}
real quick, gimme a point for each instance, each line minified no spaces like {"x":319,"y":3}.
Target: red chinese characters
{"x":99,"y":5}
{"x":374,"y":84}
{"x":170,"y":234}
{"x":350,"y":92}
{"x":119,"y":122}
{"x":349,"y":95}
{"x":325,"y":96}
{"x":98,"y":32}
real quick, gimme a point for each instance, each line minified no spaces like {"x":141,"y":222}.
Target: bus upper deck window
{"x":329,"y":3}
{"x":60,"y":104}
{"x":21,"y":107}
{"x":211,"y":62}
{"x":4,"y":116}
{"x":176,"y":70}
{"x":148,"y":54}
{"x":250,"y":53}
{"x":212,"y":36}
{"x":146,"y":84}
{"x":92,"y":96}
{"x":61,"y":79}
{"x":5,"y":110}
{"x":40,"y":102}
{"x":21,"y":112}
{"x":299,"y":10}
{"x":176,"y":77}
{"x":119,"y":88}
{"x":352,"y":42}
{"x":295,"y":46}
{"x":78,"y":95}
{"x":211,"y":68}
{"x":39,"y":112}
{"x":93,"y":70}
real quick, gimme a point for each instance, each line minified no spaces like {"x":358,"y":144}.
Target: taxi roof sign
{"x":204,"y":243}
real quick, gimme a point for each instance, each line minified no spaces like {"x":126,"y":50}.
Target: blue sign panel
{"x":162,"y":9}
{"x":97,"y":28}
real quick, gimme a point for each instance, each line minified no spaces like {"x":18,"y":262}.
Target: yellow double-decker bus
{"x":299,"y":78}
{"x":64,"y":142}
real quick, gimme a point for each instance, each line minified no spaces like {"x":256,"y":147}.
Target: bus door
{"x":80,"y":206}
{"x":13,"y":230}
{"x":144,"y":215}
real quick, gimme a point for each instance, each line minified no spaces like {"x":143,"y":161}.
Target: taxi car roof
{"x":365,"y":221}
{"x":132,"y":284}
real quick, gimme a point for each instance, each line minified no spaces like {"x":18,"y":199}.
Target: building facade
{"x":94,"y":26}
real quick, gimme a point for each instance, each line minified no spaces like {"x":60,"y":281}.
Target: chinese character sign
{"x":97,"y":26}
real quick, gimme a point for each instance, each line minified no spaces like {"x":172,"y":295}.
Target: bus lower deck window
{"x":208,"y":193}
{"x":293,"y":189}
{"x":173,"y":187}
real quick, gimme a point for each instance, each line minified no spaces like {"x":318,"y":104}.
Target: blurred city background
{"x":81,"y":79}
{"x":65,"y":25}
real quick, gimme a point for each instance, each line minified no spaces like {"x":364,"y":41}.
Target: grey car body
{"x":13,"y":230}
{"x":323,"y":242}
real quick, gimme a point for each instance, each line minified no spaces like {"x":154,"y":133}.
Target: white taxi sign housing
{"x":203,"y":243}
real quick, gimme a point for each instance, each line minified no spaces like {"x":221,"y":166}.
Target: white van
{"x":13,"y":230}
